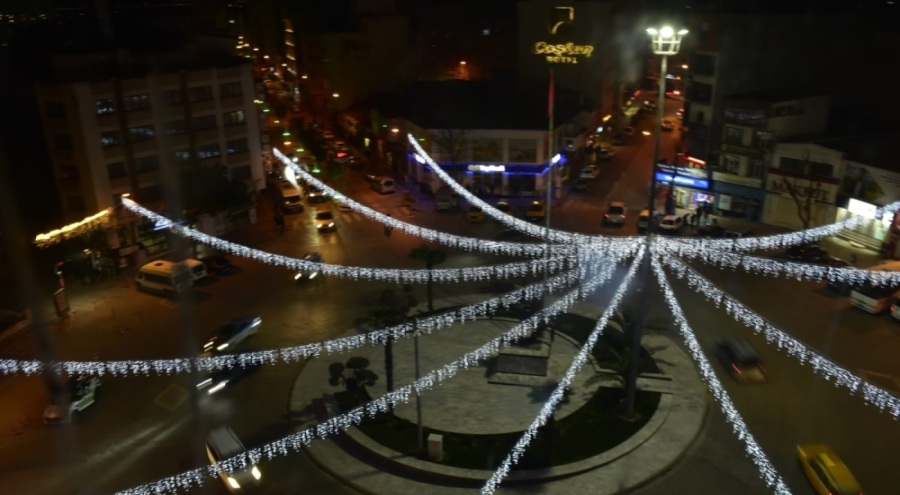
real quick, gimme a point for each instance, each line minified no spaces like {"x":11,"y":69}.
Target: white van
{"x":876,"y":298}
{"x":196,"y":267}
{"x":164,"y":277}
{"x":291,"y":199}
{"x":383,"y":185}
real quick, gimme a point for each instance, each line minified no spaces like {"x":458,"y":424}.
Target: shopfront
{"x":682,"y":187}
{"x":738,"y":196}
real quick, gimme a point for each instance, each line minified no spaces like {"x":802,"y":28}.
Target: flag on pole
{"x":550,"y":96}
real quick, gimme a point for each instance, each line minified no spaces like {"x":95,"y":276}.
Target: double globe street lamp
{"x":665,"y":41}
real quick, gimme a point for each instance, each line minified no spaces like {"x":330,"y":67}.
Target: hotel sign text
{"x":563,"y":53}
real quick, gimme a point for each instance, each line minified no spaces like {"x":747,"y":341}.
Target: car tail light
{"x":736,"y":368}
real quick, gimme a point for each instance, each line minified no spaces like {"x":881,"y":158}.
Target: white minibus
{"x":874,"y":298}
{"x":164,"y":277}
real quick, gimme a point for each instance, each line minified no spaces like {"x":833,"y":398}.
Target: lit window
{"x":142,"y":133}
{"x":105,"y":106}
{"x":110,"y":138}
{"x":233,"y":118}
{"x":136,"y":102}
{"x":208,"y":151}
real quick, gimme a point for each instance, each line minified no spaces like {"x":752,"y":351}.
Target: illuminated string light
{"x":481,"y":273}
{"x":767,"y":471}
{"x":558,"y":393}
{"x":294,"y":354}
{"x":93,"y":222}
{"x":871,"y":394}
{"x":294,"y":442}
{"x":466,"y":243}
{"x":515,"y":223}
{"x":696,"y":247}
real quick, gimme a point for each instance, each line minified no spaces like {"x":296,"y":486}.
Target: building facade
{"x":110,"y":135}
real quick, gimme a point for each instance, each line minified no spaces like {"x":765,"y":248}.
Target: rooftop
{"x":878,"y":150}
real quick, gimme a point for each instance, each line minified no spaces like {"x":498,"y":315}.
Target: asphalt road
{"x":143,"y":429}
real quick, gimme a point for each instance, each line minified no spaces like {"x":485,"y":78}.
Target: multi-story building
{"x":126,"y":122}
{"x":751,"y":125}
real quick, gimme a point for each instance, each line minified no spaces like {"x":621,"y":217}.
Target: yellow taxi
{"x":475,"y":215}
{"x":826,"y":471}
{"x":536,"y":210}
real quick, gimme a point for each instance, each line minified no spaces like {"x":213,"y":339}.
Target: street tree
{"x":355,"y":375}
{"x":625,"y":345}
{"x":390,"y":310}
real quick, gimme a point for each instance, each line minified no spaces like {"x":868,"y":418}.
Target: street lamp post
{"x":665,"y":41}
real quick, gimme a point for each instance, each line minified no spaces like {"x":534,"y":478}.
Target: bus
{"x":164,"y":277}
{"x":873,"y":298}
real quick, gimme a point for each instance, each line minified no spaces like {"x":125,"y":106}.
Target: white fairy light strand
{"x":466,"y":243}
{"x":700,"y":246}
{"x":513,"y":222}
{"x":443,"y":275}
{"x":797,"y":270}
{"x":295,"y":441}
{"x":767,"y":471}
{"x":832,"y":372}
{"x":556,"y":396}
{"x":167,"y":367}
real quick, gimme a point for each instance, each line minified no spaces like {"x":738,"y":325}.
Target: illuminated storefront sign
{"x":487,"y":168}
{"x":562,"y":53}
{"x":861,"y":208}
{"x":681,"y":180}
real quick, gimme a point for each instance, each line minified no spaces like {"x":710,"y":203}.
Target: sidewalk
{"x":468,"y":403}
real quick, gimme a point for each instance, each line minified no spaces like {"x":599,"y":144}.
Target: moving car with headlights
{"x":475,"y":215}
{"x":79,"y":393}
{"x":826,"y":472}
{"x":289,"y":197}
{"x":325,"y":221}
{"x":667,"y":125}
{"x":504,"y":206}
{"x":231,"y":333}
{"x":615,"y":213}
{"x":536,"y":210}
{"x":606,"y":153}
{"x":741,"y":360}
{"x":222,"y":444}
{"x":581,"y":185}
{"x":216,"y":381}
{"x":316,"y":195}
{"x":312,"y":273}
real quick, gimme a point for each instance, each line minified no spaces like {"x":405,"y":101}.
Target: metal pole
{"x":419,"y":431}
{"x":631,"y":385}
{"x":551,"y":111}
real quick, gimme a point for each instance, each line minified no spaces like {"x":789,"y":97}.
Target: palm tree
{"x":391,"y":310}
{"x":431,"y":256}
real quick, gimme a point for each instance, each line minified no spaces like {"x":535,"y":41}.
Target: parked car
{"x":78,"y":393}
{"x":667,"y":125}
{"x":741,"y":360}
{"x":826,"y":472}
{"x":325,"y":221}
{"x":536,"y":210}
{"x":504,"y":206}
{"x":217,"y":264}
{"x":231,"y":333}
{"x":615,"y":213}
{"x":671,"y":224}
{"x":710,"y":231}
{"x":606,"y":153}
{"x":628,"y":132}
{"x":475,"y":215}
{"x":807,"y":253}
{"x":312,"y":273}
{"x":645,"y":218}
{"x":590,"y":172}
{"x":581,"y":184}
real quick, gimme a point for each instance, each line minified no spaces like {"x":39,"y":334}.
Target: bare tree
{"x":805,"y":198}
